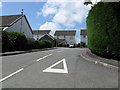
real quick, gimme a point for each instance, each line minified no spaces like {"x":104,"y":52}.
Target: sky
{"x":51,"y":15}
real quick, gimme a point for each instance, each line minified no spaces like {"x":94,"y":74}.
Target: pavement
{"x":110,"y":63}
{"x":22,"y":52}
{"x":55,"y":68}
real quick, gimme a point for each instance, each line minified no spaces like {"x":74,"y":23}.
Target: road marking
{"x":11,"y":75}
{"x":61,"y":51}
{"x":44,"y":57}
{"x":53,"y":70}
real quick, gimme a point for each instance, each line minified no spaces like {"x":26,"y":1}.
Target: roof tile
{"x":41,"y":32}
{"x":8,"y":19}
{"x":68,"y":33}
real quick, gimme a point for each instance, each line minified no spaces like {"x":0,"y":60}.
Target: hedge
{"x":13,"y":41}
{"x":18,"y":40}
{"x":45,"y":43}
{"x":103,"y":29}
{"x":6,"y":44}
{"x":60,"y":44}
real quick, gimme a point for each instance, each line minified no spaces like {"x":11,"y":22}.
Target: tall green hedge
{"x":12,"y":41}
{"x":18,"y":40}
{"x":103,"y":29}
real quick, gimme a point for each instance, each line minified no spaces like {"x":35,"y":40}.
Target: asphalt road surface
{"x":57,"y":68}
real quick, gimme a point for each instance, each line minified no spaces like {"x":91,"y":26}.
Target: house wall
{"x":48,"y":38}
{"x":84,"y":39}
{"x":61,"y":37}
{"x":37,"y":37}
{"x":69,"y":39}
{"x":16,"y":27}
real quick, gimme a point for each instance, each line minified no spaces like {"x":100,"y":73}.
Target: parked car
{"x":71,"y":45}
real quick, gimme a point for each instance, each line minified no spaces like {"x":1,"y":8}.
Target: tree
{"x":87,"y":2}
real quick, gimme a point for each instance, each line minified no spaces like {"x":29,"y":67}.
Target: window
{"x":71,"y":37}
{"x":64,"y":37}
{"x":37,"y":37}
{"x":57,"y":37}
{"x":84,"y":36}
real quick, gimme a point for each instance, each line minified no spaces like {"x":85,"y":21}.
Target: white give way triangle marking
{"x":53,"y":70}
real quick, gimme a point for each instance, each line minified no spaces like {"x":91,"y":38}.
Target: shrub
{"x":103,"y":29}
{"x":42,"y":44}
{"x":37,"y":45}
{"x":30,"y":44}
{"x":48,"y":43}
{"x":6,"y":44}
{"x":78,"y":45}
{"x":60,"y":44}
{"x":45,"y":43}
{"x":82,"y":44}
{"x":67,"y":45}
{"x":12,"y":41}
{"x":18,"y":40}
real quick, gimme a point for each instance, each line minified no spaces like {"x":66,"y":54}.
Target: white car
{"x":71,"y":45}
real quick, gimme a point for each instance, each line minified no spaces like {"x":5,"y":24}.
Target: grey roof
{"x":83,"y":32}
{"x":7,"y":20}
{"x":65,"y":33}
{"x":48,"y":36}
{"x":37,"y":32}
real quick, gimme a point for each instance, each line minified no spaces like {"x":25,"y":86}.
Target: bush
{"x":32,"y":44}
{"x":45,"y":43}
{"x":82,"y":44}
{"x":13,"y":41}
{"x":6,"y":44}
{"x":35,"y":44}
{"x":103,"y":29}
{"x":60,"y":44}
{"x":67,"y":45}
{"x":42,"y":44}
{"x":18,"y":40}
{"x":78,"y":45}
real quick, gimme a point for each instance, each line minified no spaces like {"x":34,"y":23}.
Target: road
{"x":57,"y":68}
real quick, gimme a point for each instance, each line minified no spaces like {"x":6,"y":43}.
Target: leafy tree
{"x":87,"y":2}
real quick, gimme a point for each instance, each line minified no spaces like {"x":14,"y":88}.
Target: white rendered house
{"x":16,"y":23}
{"x":67,"y":36}
{"x":83,"y":36}
{"x":37,"y":34}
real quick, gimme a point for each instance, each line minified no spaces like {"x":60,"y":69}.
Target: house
{"x":50,"y":38}
{"x":37,"y":34}
{"x":83,"y":35}
{"x":16,"y":23}
{"x":68,"y":36}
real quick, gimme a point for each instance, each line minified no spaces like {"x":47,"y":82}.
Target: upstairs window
{"x":57,"y":37}
{"x":64,"y":37}
{"x":71,"y":37}
{"x":84,"y":36}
